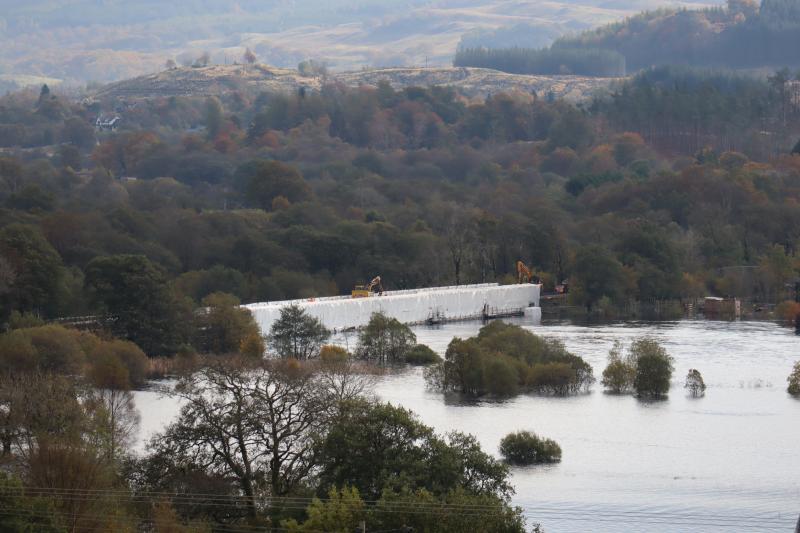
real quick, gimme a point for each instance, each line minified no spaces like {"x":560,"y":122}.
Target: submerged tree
{"x":619,"y":375}
{"x":694,"y":383}
{"x":794,"y":380}
{"x":526,"y":448}
{"x":653,"y":368}
{"x":297,"y":335}
{"x":385,"y":340}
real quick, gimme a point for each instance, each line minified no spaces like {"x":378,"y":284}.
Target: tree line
{"x":547,"y":61}
{"x":284,"y":196}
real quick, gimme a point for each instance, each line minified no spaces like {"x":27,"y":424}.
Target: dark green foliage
{"x":577,"y":184}
{"x":653,"y":368}
{"x":504,"y":359}
{"x":399,"y":510}
{"x":385,"y":340}
{"x":22,"y":513}
{"x":596,"y":274}
{"x":619,"y":375}
{"x":516,"y":60}
{"x":794,"y":380}
{"x":420,"y":354}
{"x":297,"y":335}
{"x":526,"y":448}
{"x":741,"y":36}
{"x":36,"y":270}
{"x":263,"y":181}
{"x":378,"y":447}
{"x":500,"y":377}
{"x":134,"y":291}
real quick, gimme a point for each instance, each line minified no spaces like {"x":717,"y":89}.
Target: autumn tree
{"x":263,"y":181}
{"x":223,"y":327}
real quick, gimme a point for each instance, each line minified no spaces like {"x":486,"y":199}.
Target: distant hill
{"x":107,"y":40}
{"x":744,"y":35}
{"x":221,"y":79}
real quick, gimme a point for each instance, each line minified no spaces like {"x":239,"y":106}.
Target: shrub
{"x":501,"y":378}
{"x":653,"y":368}
{"x":385,"y":340}
{"x":526,"y":448}
{"x":552,"y":378}
{"x":422,"y":355}
{"x":130,"y":356}
{"x":794,"y":380}
{"x":502,"y":357}
{"x":619,"y":375}
{"x":333,"y":354}
{"x":695,"y":383}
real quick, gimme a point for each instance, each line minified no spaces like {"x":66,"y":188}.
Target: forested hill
{"x":671,"y":188}
{"x":742,"y":35}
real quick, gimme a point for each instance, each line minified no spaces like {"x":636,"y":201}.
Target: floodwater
{"x":726,"y":462}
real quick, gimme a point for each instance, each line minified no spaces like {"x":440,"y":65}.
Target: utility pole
{"x":363,"y":526}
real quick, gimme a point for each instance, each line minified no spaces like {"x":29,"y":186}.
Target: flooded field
{"x":727,"y":461}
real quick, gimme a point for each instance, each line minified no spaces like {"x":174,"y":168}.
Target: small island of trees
{"x":526,"y":448}
{"x":645,"y":370}
{"x":504,"y":360}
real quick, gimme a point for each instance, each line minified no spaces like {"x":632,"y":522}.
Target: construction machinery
{"x":365,"y":291}
{"x":524,"y":274}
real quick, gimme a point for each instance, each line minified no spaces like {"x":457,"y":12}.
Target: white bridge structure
{"x":415,"y":306}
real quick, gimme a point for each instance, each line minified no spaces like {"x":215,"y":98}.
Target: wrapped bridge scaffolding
{"x":416,"y":306}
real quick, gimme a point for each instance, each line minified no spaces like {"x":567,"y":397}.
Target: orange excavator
{"x":365,"y":291}
{"x":524,"y":274}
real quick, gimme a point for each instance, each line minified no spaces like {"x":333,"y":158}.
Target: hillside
{"x":221,"y":79}
{"x":744,"y":35}
{"x":93,"y":40}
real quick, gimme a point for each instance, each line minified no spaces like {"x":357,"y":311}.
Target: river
{"x":726,"y":461}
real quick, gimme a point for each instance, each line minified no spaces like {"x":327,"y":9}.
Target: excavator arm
{"x":524,"y":274}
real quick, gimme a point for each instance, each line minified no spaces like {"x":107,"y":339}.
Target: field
{"x":78,"y":41}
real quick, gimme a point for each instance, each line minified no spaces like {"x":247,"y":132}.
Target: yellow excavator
{"x":365,"y":291}
{"x":524,"y":274}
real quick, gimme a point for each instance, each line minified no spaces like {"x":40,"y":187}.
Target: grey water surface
{"x":729,"y":461}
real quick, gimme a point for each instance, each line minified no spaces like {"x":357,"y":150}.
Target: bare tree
{"x":255,"y":422}
{"x":115,"y":420}
{"x":346,"y":380}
